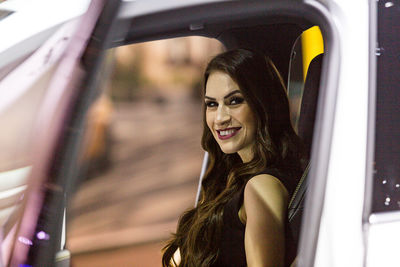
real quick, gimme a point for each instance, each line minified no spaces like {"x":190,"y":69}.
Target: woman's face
{"x":228,"y":116}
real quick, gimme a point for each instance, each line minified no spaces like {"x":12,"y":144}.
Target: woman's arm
{"x":265,"y":206}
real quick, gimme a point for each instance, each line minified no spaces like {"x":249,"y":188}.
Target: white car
{"x":50,"y":59}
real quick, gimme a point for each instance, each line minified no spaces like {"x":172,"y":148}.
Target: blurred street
{"x":122,"y":216}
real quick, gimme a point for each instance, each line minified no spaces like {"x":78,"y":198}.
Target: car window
{"x":127,"y":141}
{"x":141,"y":156}
{"x":142,"y":153}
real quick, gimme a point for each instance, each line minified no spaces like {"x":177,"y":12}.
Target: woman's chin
{"x":228,"y":150}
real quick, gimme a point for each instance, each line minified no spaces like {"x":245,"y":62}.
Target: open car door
{"x":64,"y":71}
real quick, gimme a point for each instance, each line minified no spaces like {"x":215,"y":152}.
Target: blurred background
{"x":142,"y":154}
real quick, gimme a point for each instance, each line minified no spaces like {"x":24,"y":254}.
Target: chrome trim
{"x":63,"y":231}
{"x":368,"y":195}
{"x":203,"y":171}
{"x":367,"y":217}
{"x":384,"y":217}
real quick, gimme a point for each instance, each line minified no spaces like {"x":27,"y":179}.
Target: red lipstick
{"x":224,"y":134}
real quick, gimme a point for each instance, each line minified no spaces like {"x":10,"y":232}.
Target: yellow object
{"x":312,"y":45}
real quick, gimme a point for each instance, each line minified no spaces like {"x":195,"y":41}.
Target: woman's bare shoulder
{"x":266,"y":192}
{"x":265,"y":183}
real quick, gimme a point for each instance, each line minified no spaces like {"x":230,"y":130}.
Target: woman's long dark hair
{"x":276,"y":146}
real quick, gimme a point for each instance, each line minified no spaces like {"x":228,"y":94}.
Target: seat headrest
{"x":309,"y":102}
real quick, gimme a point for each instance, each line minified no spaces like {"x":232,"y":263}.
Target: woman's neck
{"x":246,"y":154}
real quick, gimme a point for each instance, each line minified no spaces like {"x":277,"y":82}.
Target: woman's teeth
{"x":227,"y":132}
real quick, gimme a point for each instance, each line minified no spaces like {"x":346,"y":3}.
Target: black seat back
{"x":309,"y":102}
{"x":305,"y":131}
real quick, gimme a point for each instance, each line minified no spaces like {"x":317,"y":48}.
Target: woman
{"x":255,"y":160}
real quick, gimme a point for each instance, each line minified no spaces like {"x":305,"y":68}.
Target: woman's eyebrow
{"x":231,"y":93}
{"x":225,"y":97}
{"x":208,"y":97}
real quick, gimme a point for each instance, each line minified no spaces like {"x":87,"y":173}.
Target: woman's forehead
{"x":220,"y":84}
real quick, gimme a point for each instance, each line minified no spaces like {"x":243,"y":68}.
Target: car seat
{"x":305,"y":131}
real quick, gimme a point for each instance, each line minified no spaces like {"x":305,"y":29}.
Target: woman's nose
{"x":223,"y":115}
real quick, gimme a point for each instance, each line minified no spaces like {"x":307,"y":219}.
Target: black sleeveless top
{"x":231,"y":249}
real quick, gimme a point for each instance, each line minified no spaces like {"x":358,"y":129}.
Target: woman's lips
{"x":227,"y":133}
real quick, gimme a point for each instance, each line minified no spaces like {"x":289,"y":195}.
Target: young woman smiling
{"x":255,"y":162}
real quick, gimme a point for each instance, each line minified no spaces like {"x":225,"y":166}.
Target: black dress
{"x":231,"y":249}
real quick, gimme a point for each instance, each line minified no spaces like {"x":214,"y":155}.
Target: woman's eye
{"x":236,"y":100}
{"x":211,"y":104}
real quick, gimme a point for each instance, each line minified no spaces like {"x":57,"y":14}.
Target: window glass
{"x":386,"y":185}
{"x":142,"y":153}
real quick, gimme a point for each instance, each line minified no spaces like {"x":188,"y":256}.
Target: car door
{"x":64,"y":84}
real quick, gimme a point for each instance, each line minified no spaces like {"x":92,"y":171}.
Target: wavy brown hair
{"x":276,"y":146}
